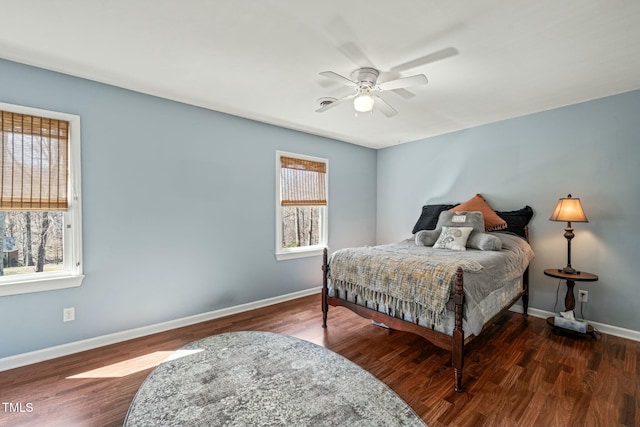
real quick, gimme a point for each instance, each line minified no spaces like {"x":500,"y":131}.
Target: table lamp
{"x":569,"y":209}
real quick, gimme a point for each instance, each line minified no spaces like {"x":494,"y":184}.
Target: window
{"x":301,"y":205}
{"x":40,"y":208}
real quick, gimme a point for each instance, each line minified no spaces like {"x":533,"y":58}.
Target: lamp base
{"x":569,"y":270}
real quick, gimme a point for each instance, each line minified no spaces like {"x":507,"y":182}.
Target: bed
{"x":446,"y":294}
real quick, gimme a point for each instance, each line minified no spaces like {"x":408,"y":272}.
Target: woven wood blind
{"x":34,"y":165}
{"x":303,"y":182}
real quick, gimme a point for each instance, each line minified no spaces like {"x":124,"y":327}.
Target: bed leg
{"x":325,"y":289}
{"x":457,"y":351}
{"x":525,"y":280}
{"x":525,"y":294}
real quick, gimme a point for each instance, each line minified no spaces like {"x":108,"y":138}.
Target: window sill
{"x":49,"y":283}
{"x":299,"y":253}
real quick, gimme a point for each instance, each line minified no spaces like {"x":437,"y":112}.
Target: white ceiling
{"x":260,"y":59}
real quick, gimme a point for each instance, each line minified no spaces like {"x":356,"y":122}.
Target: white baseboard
{"x":600,"y":327}
{"x":24,"y":359}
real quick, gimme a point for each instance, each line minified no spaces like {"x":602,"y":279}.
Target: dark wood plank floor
{"x":518,"y":374}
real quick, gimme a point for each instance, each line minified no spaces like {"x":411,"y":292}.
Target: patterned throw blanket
{"x":414,"y":284}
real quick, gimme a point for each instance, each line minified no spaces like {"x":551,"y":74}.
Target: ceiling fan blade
{"x":404,"y":93}
{"x":432,"y":57}
{"x":337,"y":77}
{"x":384,"y":107}
{"x":418,"y":79}
{"x":353,"y":52}
{"x":346,"y":41}
{"x":335,"y":103}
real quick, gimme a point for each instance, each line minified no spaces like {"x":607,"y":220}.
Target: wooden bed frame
{"x":454,"y":343}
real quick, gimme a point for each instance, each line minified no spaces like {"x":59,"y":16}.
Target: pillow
{"x":478,"y":239}
{"x":429,"y":217}
{"x":454,"y":238}
{"x":427,"y":237}
{"x":517,"y":220}
{"x":474,"y":220}
{"x":484,"y":242}
{"x":491,"y":220}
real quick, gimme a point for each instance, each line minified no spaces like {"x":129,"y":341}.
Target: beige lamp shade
{"x":569,"y":209}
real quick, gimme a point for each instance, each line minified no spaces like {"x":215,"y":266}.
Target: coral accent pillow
{"x":492,"y":221}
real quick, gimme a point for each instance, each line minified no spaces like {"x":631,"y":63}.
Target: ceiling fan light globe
{"x":363,"y":103}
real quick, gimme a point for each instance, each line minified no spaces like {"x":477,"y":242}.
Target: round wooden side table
{"x":581,"y":276}
{"x":570,"y":299}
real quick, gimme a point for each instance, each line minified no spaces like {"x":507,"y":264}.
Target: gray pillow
{"x":478,"y":238}
{"x":473,"y":219}
{"x":427,"y":237}
{"x":484,"y":242}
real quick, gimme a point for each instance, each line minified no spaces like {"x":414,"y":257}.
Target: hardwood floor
{"x":518,"y":374}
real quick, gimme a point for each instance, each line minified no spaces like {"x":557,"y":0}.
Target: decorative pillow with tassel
{"x":492,"y":221}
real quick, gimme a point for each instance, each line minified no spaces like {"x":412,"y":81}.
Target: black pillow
{"x":429,"y":217}
{"x":517,"y":220}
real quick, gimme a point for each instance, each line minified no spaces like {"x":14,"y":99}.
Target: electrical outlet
{"x":583,"y":296}
{"x":68,"y":314}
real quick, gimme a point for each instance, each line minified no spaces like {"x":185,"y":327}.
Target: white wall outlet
{"x":583,"y":296}
{"x":68,"y":314}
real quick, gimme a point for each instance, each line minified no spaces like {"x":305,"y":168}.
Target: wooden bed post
{"x":325,"y":289}
{"x":525,"y":280}
{"x":457,"y":352}
{"x":525,"y":294}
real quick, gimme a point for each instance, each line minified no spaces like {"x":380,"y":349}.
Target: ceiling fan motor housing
{"x":367,"y":77}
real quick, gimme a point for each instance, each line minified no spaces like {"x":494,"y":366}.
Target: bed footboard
{"x":454,"y":343}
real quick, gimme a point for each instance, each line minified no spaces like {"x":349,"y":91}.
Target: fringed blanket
{"x":413,"y":284}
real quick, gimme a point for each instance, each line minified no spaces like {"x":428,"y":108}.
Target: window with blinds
{"x":301,"y":214}
{"x":40,"y":207}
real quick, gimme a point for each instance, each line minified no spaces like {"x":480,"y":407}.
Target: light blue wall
{"x":142,"y":269}
{"x":591,"y":150}
{"x":178,"y":211}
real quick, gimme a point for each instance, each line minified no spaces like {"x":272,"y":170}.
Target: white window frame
{"x":302,"y":251}
{"x":71,"y":275}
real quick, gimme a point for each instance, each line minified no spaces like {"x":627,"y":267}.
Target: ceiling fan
{"x":366,"y":88}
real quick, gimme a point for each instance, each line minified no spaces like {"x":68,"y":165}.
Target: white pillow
{"x":454,"y":238}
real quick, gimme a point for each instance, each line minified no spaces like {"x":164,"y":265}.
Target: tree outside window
{"x":32,"y":242}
